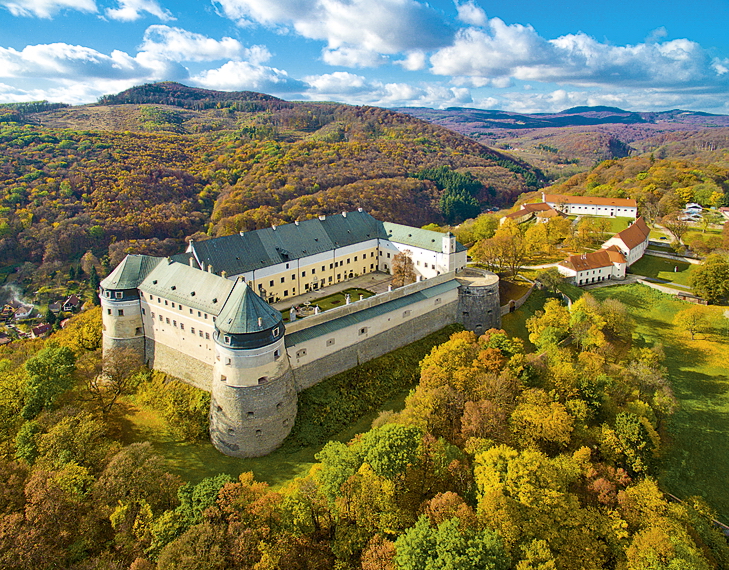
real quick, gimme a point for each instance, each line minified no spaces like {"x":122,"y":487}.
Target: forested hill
{"x":142,"y":170}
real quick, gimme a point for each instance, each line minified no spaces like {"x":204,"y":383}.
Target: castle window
{"x":107,"y":294}
{"x":293,"y":291}
{"x":283,"y":279}
{"x":363,"y":330}
{"x":227,"y":361}
{"x":182,"y":326}
{"x":118,"y":294}
{"x":251,"y":414}
{"x":201,"y":334}
{"x":287,"y":266}
{"x":199,"y":314}
{"x":206,"y":316}
{"x":138,"y":330}
{"x":259,"y":433}
{"x":270,"y":283}
{"x":191,"y":309}
{"x":161,"y":318}
{"x":262,"y":380}
{"x":330,"y":279}
{"x":120,"y":312}
{"x":372,"y":254}
{"x":347,"y":261}
{"x":192,"y":330}
{"x":323,"y":268}
{"x":223,"y":378}
{"x":173,"y":305}
{"x":330,"y":342}
{"x":167,"y":320}
{"x":226,"y":339}
{"x":372,"y":266}
{"x":293,"y":278}
{"x":174,"y":324}
{"x":166,"y":302}
{"x":355,"y":258}
{"x":108,"y":311}
{"x":331,"y":266}
{"x":275,"y":331}
{"x":300,"y":353}
{"x":313,"y":270}
{"x":303,"y":273}
{"x":207,"y":336}
{"x":388,"y":255}
{"x":143,"y":311}
{"x":417,"y":262}
{"x":152,"y":314}
{"x":339,"y":276}
{"x":276,"y":354}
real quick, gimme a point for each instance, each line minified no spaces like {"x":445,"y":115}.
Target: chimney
{"x":322,"y":217}
{"x":274,"y":227}
{"x":210,"y":268}
{"x":260,"y":322}
{"x":296,"y":222}
{"x":224,"y":274}
{"x":344,"y":214}
{"x":360,"y":210}
{"x":192,"y":261}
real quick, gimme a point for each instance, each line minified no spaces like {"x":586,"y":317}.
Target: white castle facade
{"x":204,"y":316}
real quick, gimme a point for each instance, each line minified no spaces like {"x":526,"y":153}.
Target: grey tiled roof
{"x":242,"y":311}
{"x":248,"y":251}
{"x":130,"y":272}
{"x":189,"y":286}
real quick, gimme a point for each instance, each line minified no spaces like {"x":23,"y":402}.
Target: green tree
{"x":448,"y":546}
{"x":26,"y":442}
{"x":710,"y":280}
{"x":50,"y":373}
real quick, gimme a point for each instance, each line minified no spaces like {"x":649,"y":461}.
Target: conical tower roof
{"x":130,"y":272}
{"x":245,"y":312}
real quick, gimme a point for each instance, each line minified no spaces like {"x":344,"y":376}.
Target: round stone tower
{"x":120,"y":304}
{"x":479,"y":308}
{"x":253,"y":396}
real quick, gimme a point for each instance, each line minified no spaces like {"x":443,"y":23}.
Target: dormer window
{"x":226,"y":339}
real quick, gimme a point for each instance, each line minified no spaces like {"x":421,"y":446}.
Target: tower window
{"x":143,"y":311}
{"x":363,"y":330}
{"x":118,"y":294}
{"x":276,"y":354}
{"x":223,"y":378}
{"x":226,"y":339}
{"x":275,"y":331}
{"x":207,"y":336}
{"x":120,"y":312}
{"x":108,"y":311}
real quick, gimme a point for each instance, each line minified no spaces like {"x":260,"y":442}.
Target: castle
{"x":205,"y":316}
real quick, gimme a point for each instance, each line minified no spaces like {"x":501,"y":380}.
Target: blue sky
{"x":522,"y":55}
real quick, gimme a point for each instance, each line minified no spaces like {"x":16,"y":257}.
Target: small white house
{"x":632,"y":241}
{"x":594,"y":267}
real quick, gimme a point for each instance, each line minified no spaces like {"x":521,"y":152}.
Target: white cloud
{"x":415,"y":61}
{"x":364,"y":26}
{"x":47,"y":8}
{"x":517,"y":51}
{"x":177,"y":44}
{"x":131,"y":10}
{"x":353,"y":57}
{"x":356,"y":89}
{"x":243,"y":75}
{"x":472,"y":14}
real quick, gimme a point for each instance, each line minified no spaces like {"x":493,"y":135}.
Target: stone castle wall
{"x":369,"y":348}
{"x":178,"y":364}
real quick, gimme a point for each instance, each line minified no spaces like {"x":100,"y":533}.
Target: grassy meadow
{"x":697,"y":459}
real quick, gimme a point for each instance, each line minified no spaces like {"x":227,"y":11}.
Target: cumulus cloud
{"x":177,"y":44}
{"x":243,"y":75}
{"x":472,"y":14}
{"x":353,"y":57}
{"x":415,"y":61}
{"x":516,"y":51}
{"x":356,"y":89}
{"x":131,"y":10}
{"x":47,"y":8}
{"x":362,"y":27}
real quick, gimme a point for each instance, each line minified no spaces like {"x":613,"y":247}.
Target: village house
{"x":592,"y":205}
{"x":528,"y":212}
{"x":632,"y":241}
{"x":73,"y":303}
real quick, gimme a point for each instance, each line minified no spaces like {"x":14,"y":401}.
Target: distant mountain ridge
{"x":480,"y":119}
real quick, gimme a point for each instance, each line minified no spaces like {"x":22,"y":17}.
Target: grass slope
{"x":697,"y":460}
{"x":662,"y":268}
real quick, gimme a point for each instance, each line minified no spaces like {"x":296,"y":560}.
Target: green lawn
{"x":195,"y":461}
{"x":335,"y":300}
{"x":662,"y":268}
{"x":697,"y":459}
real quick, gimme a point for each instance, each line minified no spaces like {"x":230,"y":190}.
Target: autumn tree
{"x":403,"y":269}
{"x":692,"y":320}
{"x":675,"y":225}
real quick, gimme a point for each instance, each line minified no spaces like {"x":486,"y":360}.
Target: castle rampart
{"x":218,"y":334}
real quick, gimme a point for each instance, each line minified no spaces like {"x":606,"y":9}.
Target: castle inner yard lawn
{"x":662,"y":268}
{"x":697,"y":459}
